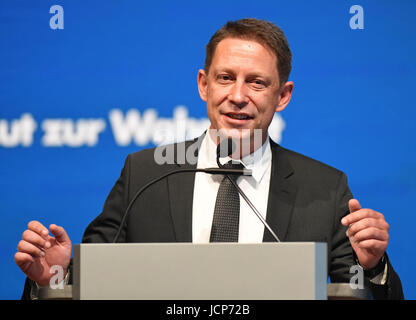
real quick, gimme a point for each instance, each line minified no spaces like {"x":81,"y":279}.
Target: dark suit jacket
{"x":307,"y":200}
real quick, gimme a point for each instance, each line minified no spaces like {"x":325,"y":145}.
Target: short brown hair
{"x":262,"y":31}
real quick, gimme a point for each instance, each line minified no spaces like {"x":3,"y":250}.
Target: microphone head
{"x":225,"y":148}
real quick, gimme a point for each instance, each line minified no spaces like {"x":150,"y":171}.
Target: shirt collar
{"x":257,"y":162}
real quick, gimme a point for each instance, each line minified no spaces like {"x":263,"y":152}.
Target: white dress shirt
{"x":256,"y":187}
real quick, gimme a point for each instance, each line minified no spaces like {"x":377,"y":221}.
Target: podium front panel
{"x":186,"y":271}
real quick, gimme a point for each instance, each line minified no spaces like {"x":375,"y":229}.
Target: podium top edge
{"x":203,"y":244}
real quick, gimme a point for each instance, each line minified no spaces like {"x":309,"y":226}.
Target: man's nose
{"x":238,"y":94}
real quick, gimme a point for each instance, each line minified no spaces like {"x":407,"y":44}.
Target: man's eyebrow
{"x":223,"y":69}
{"x":257,"y":75}
{"x":249,"y":75}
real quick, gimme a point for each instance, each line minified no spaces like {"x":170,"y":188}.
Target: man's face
{"x":242,"y":88}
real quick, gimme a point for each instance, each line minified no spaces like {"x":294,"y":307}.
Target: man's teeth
{"x":238,"y":116}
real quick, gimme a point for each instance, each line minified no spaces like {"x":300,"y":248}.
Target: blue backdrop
{"x":85,"y":84}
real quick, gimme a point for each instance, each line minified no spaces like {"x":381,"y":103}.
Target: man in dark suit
{"x":244,"y":82}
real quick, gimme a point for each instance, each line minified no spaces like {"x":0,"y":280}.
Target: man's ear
{"x":202,"y":84}
{"x":285,"y":94}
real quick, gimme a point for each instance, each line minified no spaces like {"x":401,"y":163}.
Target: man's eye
{"x":258,"y":84}
{"x":224,"y":78}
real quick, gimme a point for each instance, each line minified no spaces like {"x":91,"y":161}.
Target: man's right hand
{"x":38,"y":251}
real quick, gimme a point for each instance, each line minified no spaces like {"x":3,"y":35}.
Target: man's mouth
{"x":238,"y":116}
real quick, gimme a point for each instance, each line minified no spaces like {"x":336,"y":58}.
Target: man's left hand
{"x":368,"y":232}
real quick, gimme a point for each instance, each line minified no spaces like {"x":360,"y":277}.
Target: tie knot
{"x":231,"y":165}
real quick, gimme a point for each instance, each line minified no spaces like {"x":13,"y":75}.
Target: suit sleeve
{"x":342,"y":255}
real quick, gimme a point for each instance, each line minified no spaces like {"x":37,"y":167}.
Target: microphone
{"x":226,"y":148}
{"x":222,"y":171}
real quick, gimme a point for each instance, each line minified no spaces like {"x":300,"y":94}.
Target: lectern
{"x":214,"y":271}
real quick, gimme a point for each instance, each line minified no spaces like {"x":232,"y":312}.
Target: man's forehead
{"x":232,"y":45}
{"x":250,"y":44}
{"x":239,"y":51}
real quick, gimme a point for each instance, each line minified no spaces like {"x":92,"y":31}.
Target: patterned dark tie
{"x":227,"y":209}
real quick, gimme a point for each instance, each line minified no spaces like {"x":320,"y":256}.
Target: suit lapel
{"x":181,"y":192}
{"x":282,"y":194}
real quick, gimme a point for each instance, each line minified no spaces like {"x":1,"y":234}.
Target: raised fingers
{"x":367,"y":223}
{"x":361,"y":214}
{"x":29,"y":248}
{"x":39,"y":228}
{"x":23,"y":260}
{"x":370,"y":233}
{"x":35,"y":239}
